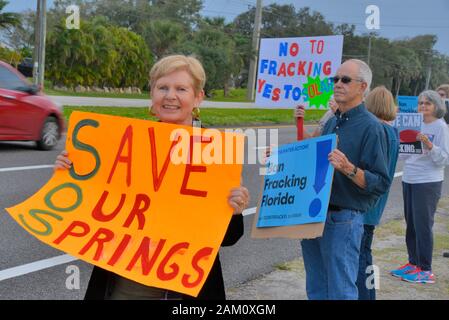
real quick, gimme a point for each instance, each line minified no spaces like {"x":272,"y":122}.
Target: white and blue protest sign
{"x":294,"y":71}
{"x":409,"y":125}
{"x":408,"y":104}
{"x":296,"y":189}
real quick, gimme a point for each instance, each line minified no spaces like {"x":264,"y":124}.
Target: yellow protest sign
{"x":143,"y":199}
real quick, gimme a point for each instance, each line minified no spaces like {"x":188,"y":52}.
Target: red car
{"x":26,"y":114}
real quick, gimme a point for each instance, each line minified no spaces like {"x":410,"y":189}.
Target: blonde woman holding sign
{"x":176,"y":84}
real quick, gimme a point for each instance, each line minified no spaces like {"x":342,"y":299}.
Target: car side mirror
{"x":33,"y":89}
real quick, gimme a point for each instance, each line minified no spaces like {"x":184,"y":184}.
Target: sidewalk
{"x":287,"y":281}
{"x":127,"y":102}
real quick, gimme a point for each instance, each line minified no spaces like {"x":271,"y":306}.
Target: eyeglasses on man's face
{"x":344,"y":79}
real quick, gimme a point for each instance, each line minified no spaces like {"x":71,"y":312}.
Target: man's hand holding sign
{"x":297,"y":72}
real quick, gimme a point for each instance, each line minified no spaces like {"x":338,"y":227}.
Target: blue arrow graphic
{"x":323,"y":148}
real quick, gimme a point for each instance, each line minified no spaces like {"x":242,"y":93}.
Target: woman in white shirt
{"x":421,"y":182}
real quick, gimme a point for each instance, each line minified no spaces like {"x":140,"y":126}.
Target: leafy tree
{"x":422,"y":46}
{"x":10,"y":56}
{"x":127,"y":14}
{"x":98,"y":54}
{"x":171,"y":26}
{"x":21,"y":37}
{"x":215,"y":50}
{"x":440,"y":70}
{"x":280,"y":21}
{"x":163,"y":36}
{"x":8,"y":19}
{"x":185,"y":12}
{"x":57,"y":12}
{"x":313,"y":24}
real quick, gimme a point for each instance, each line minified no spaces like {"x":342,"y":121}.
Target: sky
{"x":398,"y":18}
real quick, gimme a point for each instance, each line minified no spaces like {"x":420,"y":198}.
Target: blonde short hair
{"x":445,"y":88}
{"x":174,"y":63}
{"x":380,"y":102}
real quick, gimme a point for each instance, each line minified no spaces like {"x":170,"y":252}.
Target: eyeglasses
{"x":425,"y":103}
{"x":344,"y":79}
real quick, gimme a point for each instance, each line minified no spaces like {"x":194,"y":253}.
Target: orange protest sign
{"x":136,"y":202}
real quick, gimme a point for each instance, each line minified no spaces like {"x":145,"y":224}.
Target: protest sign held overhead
{"x":127,"y":207}
{"x":408,"y":104}
{"x":409,"y":125}
{"x":294,"y":71}
{"x":296,"y":189}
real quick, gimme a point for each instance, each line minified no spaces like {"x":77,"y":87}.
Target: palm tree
{"x":8,"y":19}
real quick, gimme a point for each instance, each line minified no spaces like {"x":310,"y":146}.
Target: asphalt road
{"x":242,"y":262}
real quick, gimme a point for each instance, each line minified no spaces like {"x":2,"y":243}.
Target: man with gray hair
{"x":361,"y":176}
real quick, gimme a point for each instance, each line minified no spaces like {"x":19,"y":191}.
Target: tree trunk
{"x":415,"y":92}
{"x":226,"y":89}
{"x":398,"y":87}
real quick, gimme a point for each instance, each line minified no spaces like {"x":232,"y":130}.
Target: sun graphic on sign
{"x":319,"y":91}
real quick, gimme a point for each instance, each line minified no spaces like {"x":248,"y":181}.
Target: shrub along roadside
{"x":212,"y":116}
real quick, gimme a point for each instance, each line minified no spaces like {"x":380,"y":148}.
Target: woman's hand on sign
{"x":425,"y":139}
{"x":299,"y":111}
{"x":62,"y":161}
{"x":239,"y":199}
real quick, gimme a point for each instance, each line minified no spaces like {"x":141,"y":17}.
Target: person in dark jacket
{"x":361,"y":176}
{"x":102,"y":282}
{"x":379,"y":102}
{"x":176,"y":84}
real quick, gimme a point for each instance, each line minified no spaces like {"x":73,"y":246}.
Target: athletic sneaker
{"x":407,"y":268}
{"x":419,"y":276}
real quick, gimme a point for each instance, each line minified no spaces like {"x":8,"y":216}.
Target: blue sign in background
{"x":408,"y":104}
{"x":409,"y":122}
{"x":296,"y":189}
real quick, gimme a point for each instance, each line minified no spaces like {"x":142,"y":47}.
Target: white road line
{"x":35,"y":266}
{"x":26,"y":168}
{"x":55,"y":261}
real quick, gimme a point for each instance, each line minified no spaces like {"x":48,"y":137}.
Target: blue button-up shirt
{"x":361,"y":138}
{"x":372,"y":217}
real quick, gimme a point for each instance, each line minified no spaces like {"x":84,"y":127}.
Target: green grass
{"x":393,"y":227}
{"x":138,"y":113}
{"x":440,"y":242}
{"x":235,"y":95}
{"x":211,"y":116}
{"x":52,"y":92}
{"x":282,"y":267}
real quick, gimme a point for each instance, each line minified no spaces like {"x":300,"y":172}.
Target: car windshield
{"x":10,"y":81}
